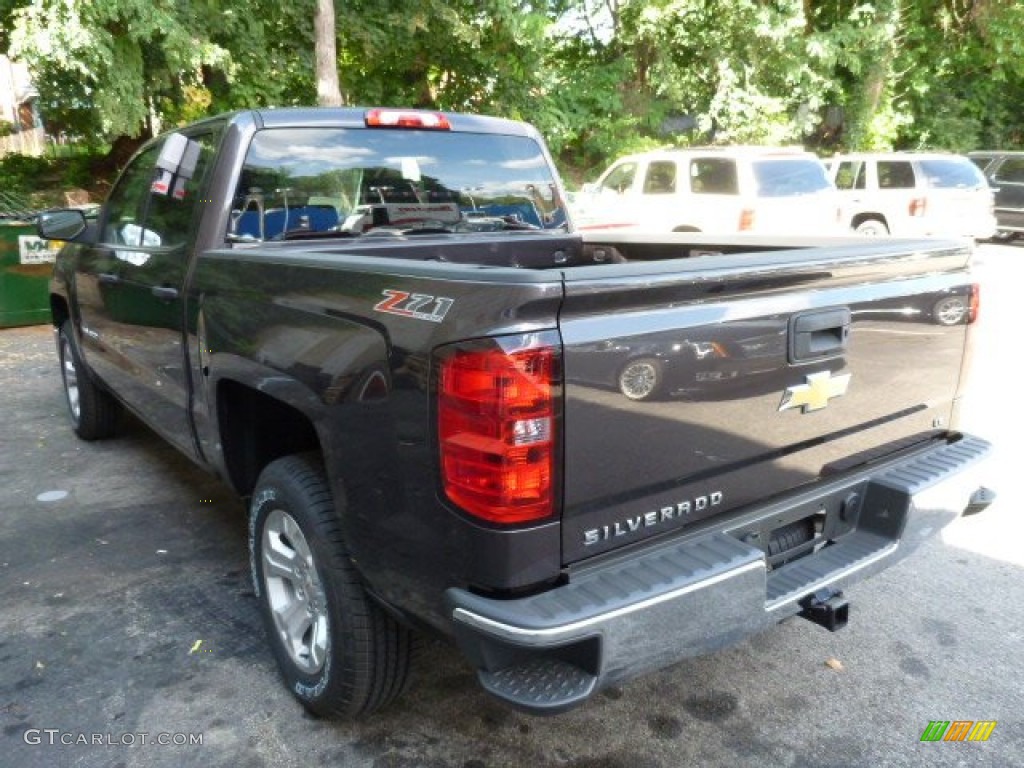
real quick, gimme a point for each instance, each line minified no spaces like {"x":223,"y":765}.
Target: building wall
{"x":17,"y":108}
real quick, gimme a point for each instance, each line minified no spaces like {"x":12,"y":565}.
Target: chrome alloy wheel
{"x":639,"y":379}
{"x":294,"y":592}
{"x":70,"y":379}
{"x":951,"y":310}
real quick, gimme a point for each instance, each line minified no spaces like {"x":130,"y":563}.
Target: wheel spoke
{"x":318,"y":643}
{"x":278,"y":560}
{"x":298,"y":541}
{"x":294,"y":618}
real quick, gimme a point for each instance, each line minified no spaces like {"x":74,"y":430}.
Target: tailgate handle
{"x":818,"y":334}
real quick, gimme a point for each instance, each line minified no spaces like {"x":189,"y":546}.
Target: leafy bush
{"x":22,"y":174}
{"x":42,"y":181}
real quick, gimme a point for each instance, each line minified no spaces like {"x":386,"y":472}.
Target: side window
{"x":620,"y":179}
{"x":139,"y":217}
{"x":982,"y":161}
{"x":126,"y":206}
{"x":660,"y":178}
{"x":850,"y":175}
{"x":171,"y":215}
{"x":1012,"y":170}
{"x":895,"y":174}
{"x":713,"y":176}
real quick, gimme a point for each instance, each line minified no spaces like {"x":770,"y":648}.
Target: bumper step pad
{"x":540,"y":685}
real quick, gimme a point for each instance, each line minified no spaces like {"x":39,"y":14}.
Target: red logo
{"x":420,"y":306}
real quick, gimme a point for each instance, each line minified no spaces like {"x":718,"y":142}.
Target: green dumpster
{"x":25,"y":266}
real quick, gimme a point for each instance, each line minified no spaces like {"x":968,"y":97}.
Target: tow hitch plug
{"x":826,"y":607}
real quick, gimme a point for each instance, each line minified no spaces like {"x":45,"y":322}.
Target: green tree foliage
{"x":598,"y":77}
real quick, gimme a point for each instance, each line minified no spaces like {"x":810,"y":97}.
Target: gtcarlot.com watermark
{"x":56,"y":737}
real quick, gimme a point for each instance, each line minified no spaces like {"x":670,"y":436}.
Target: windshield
{"x":789,"y":177}
{"x":300,"y":182}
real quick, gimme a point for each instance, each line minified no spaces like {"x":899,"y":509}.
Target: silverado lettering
{"x":651,"y":519}
{"x":478,"y":478}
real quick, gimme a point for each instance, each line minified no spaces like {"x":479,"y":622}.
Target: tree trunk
{"x":328,"y":90}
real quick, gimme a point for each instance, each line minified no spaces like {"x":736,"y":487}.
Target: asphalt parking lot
{"x":127,"y":618}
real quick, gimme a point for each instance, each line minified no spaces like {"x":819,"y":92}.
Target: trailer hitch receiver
{"x":826,"y":607}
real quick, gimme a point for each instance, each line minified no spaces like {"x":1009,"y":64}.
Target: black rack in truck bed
{"x":580,"y":458}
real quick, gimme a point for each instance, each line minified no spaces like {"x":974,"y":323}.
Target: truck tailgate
{"x":695,"y":387}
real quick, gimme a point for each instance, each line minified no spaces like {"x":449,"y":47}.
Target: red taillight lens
{"x":918,"y":206}
{"x":404,"y":118}
{"x":496,"y":416}
{"x":974,"y":303}
{"x":746,"y":220}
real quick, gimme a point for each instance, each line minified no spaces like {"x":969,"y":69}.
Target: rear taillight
{"x":497,"y":408}
{"x":974,"y":303}
{"x":918,"y":206}
{"x":746,"y":220}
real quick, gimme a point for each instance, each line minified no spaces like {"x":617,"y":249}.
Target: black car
{"x":1005,"y":173}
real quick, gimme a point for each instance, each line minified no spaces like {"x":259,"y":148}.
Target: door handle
{"x":107,"y":278}
{"x":165,"y":292}
{"x":818,"y":334}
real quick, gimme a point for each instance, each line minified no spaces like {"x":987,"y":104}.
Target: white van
{"x":776,"y":190}
{"x":914,"y":193}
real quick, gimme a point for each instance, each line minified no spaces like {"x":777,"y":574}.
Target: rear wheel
{"x":642,"y":379}
{"x":871,"y":228}
{"x":340,"y":654}
{"x":94,"y":412}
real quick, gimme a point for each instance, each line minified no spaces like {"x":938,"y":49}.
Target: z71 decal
{"x":416,"y":305}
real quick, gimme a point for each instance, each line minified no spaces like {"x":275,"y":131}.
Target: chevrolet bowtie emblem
{"x":815,"y":394}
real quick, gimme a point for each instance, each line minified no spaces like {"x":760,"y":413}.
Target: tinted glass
{"x":952,"y":173}
{"x":322,"y":179}
{"x":126,"y":206}
{"x":660,"y":178}
{"x":713,"y":176}
{"x":1012,"y":170}
{"x":982,"y":161}
{"x":896,"y":174}
{"x":850,"y":175}
{"x":621,"y":178}
{"x":138,"y":216}
{"x":787,"y":177}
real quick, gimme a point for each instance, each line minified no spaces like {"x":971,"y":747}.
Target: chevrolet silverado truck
{"x":579,"y":458}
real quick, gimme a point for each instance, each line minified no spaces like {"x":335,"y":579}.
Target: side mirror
{"x":589,"y":188}
{"x":60,"y":225}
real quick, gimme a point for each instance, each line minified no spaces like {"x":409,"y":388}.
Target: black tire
{"x":642,"y":379}
{"x":353,"y":658}
{"x":94,"y":412}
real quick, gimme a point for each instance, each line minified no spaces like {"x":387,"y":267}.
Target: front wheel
{"x":340,"y":654}
{"x":94,"y":412}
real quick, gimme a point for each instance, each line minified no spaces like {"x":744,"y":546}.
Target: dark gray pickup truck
{"x":579,"y":458}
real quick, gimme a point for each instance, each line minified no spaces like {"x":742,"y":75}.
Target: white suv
{"x":914,"y":193}
{"x":713,"y":189}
